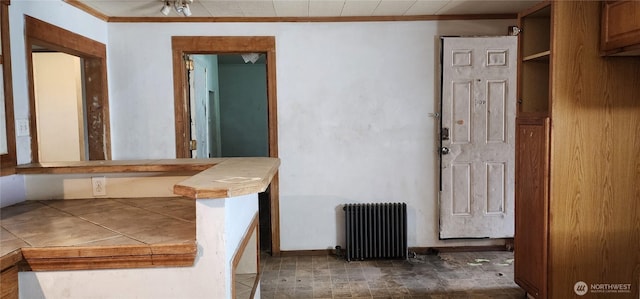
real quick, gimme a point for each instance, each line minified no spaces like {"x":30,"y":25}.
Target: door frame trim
{"x":182,"y":45}
{"x":94,"y":54}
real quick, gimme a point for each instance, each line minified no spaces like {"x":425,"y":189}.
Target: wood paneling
{"x":595,"y":157}
{"x":594,"y":166}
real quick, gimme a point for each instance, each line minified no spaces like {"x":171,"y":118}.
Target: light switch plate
{"x":23,"y":127}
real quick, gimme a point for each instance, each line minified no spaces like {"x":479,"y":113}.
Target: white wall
{"x":116,"y":185}
{"x":353,"y":114}
{"x":11,"y":190}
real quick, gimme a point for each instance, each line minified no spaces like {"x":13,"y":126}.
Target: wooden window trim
{"x":9,"y":160}
{"x":94,"y":55}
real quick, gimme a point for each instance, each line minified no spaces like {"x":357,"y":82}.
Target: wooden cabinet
{"x":620,"y":28}
{"x":9,"y":283}
{"x":532,"y":151}
{"x":532,"y":160}
{"x":535,"y":50}
{"x":577,"y":154}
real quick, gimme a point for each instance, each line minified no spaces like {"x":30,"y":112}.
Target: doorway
{"x":478,"y":137}
{"x":228,"y":110}
{"x":198,"y":45}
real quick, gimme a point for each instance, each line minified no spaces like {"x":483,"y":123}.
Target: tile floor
{"x":447,"y":275}
{"x":244,"y":285}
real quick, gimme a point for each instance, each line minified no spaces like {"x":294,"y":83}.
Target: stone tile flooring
{"x":447,"y":275}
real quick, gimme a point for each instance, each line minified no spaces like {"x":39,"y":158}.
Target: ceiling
{"x":309,"y":8}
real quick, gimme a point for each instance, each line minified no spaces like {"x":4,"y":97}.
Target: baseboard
{"x":315,"y":252}
{"x":436,"y":250}
{"x":508,"y":246}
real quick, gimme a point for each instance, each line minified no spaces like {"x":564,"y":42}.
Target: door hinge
{"x":188,"y":63}
{"x":514,"y":30}
{"x":193,"y":145}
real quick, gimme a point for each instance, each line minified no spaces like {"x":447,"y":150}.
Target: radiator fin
{"x":376,"y":231}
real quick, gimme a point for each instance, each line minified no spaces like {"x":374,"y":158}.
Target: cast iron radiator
{"x":376,"y":231}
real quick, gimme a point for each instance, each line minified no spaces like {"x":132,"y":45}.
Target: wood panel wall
{"x":595,"y":158}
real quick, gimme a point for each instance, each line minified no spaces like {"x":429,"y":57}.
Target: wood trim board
{"x":9,"y":160}
{"x":94,"y":55}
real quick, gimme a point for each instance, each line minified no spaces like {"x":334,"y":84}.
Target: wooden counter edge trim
{"x":112,"y":262}
{"x":198,"y":191}
{"x":107,"y":251}
{"x":104,"y":257}
{"x":10,"y":259}
{"x":113,"y":166}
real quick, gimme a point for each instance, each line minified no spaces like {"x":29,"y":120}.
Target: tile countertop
{"x":99,"y":233}
{"x":125,"y":232}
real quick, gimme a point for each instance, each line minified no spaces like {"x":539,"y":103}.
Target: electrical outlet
{"x":99,"y":186}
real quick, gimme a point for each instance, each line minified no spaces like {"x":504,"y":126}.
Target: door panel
{"x":478,"y":109}
{"x":199,"y":105}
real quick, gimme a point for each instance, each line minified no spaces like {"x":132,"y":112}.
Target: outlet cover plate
{"x":99,"y":186}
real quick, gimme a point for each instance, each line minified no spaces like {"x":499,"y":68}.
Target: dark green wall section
{"x":243,"y":110}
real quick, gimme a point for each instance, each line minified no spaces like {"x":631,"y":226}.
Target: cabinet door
{"x":9,"y":283}
{"x":620,"y":27}
{"x":531,"y":200}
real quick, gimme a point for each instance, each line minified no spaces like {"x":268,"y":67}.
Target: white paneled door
{"x":478,"y":127}
{"x":199,"y":105}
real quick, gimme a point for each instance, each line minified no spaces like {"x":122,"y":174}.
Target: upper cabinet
{"x":620,"y":28}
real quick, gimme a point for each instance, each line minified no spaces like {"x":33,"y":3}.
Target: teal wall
{"x":243,"y":110}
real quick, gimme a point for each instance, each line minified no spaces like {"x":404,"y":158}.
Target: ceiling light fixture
{"x":166,"y":8}
{"x":180,"y":6}
{"x":186,"y":10}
